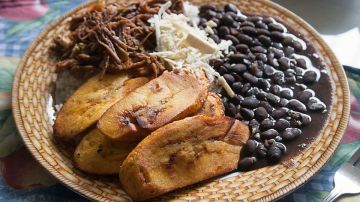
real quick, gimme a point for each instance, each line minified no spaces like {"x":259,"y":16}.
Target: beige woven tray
{"x":31,"y":91}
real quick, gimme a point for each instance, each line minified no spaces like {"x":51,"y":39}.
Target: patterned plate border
{"x":30,"y":96}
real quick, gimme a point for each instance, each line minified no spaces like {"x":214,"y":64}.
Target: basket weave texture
{"x":31,"y":91}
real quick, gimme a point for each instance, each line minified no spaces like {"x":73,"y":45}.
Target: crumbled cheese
{"x":181,"y":43}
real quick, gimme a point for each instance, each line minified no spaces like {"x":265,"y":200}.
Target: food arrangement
{"x":187,"y":95}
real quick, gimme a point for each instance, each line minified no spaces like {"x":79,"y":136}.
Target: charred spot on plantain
{"x":124,"y":120}
{"x":171,"y":161}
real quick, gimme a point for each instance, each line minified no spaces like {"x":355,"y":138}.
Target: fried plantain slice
{"x":171,"y":96}
{"x":212,"y":106}
{"x":97,"y":154}
{"x":91,"y":100}
{"x":183,"y":153}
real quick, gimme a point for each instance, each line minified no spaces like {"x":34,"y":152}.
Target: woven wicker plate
{"x":31,"y":91}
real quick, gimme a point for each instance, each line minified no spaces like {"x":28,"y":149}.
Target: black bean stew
{"x":281,"y":86}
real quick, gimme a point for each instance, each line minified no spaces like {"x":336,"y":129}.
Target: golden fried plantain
{"x":181,"y":153}
{"x":97,"y":154}
{"x":172,"y":96}
{"x":212,"y":106}
{"x":91,"y":100}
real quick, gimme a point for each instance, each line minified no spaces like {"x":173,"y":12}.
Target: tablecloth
{"x":23,"y":179}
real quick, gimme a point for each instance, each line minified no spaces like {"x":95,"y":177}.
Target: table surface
{"x":17,"y":29}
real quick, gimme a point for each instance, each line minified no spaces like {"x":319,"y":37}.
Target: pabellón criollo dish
{"x":177,"y":94}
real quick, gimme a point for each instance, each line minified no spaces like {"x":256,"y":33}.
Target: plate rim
{"x":290,"y":187}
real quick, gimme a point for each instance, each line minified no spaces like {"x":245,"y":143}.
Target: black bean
{"x":254,"y":18}
{"x":305,"y":119}
{"x":261,"y":113}
{"x":243,"y":38}
{"x":222,"y":70}
{"x":216,"y":20}
{"x":297,"y":46}
{"x":263,"y":32}
{"x":209,"y":14}
{"x":232,"y":48}
{"x":227,"y":20}
{"x":238,"y":68}
{"x":207,"y":7}
{"x":273,"y":99}
{"x":277,"y":45}
{"x":297,"y":105}
{"x":236,"y":86}
{"x":288,"y":41}
{"x":242,"y":48}
{"x":245,"y":88}
{"x":290,"y":79}
{"x":268,"y":20}
{"x":274,"y":153}
{"x":236,"y":99}
{"x":286,"y":93}
{"x":230,"y":8}
{"x":249,"y":30}
{"x":279,"y":113}
{"x":248,"y":114}
{"x":247,"y":24}
{"x":229,"y":78}
{"x":223,"y":31}
{"x":281,"y":146}
{"x":301,"y":63}
{"x":265,"y":40}
{"x":251,"y":146}
{"x":278,"y":78}
{"x":284,"y":63}
{"x":255,"y":70}
{"x":267,"y":106}
{"x":288,"y":50}
{"x":261,"y":150}
{"x":254,"y":123}
{"x":282,"y":124}
{"x":261,"y":57}
{"x":315,"y":104}
{"x":261,"y":25}
{"x":258,"y":49}
{"x":246,"y":163}
{"x":250,"y":102}
{"x":252,"y":91}
{"x":277,"y":52}
{"x":238,"y":57}
{"x":304,"y":96}
{"x":261,"y":95}
{"x":236,"y":76}
{"x":290,"y":133}
{"x":250,"y":78}
{"x":267,"y":124}
{"x":231,"y":109}
{"x":272,"y":61}
{"x":275,"y":89}
{"x":277,"y":36}
{"x":276,"y":27}
{"x":215,"y":38}
{"x":269,"y":70}
{"x":233,"y":39}
{"x":269,"y":134}
{"x":283,"y":102}
{"x":238,"y":116}
{"x":234,"y":31}
{"x":264,"y":84}
{"x":309,"y":77}
{"x":216,"y":62}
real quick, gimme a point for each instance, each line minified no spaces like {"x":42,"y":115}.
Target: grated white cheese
{"x":180,"y":42}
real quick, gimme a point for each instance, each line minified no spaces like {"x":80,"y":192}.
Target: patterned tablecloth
{"x":22,"y":179}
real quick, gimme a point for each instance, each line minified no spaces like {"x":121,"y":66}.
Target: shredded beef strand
{"x":113,"y":38}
